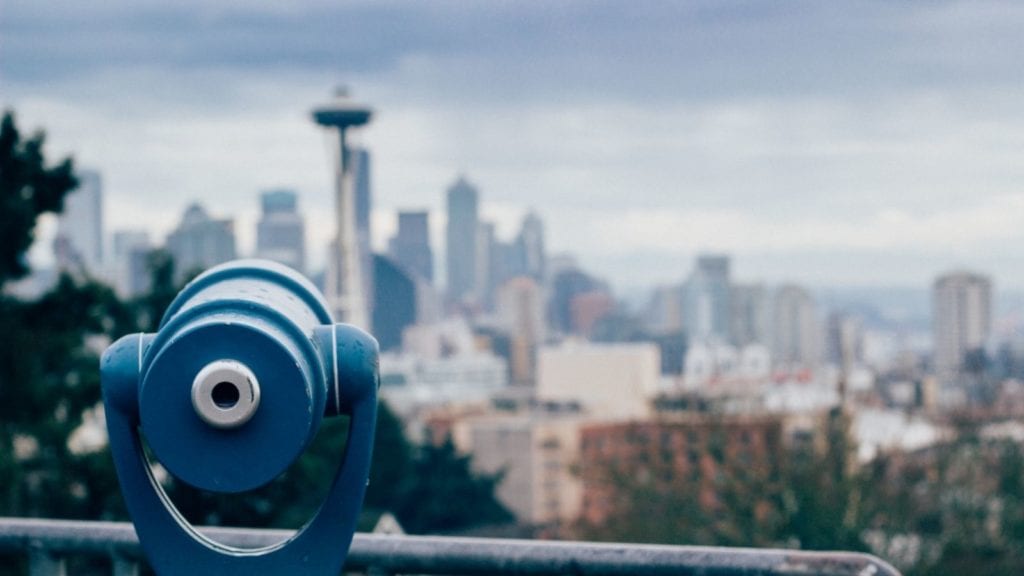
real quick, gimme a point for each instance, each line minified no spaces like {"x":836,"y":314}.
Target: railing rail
{"x":49,"y":542}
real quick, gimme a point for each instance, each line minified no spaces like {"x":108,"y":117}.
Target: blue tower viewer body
{"x":228,"y":393}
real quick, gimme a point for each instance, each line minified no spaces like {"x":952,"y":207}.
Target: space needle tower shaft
{"x":344,"y":283}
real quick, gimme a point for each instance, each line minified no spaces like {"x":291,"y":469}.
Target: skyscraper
{"x":506,"y":261}
{"x":281,"y":230}
{"x":395,"y":288}
{"x":961,"y":320}
{"x":664,"y":314}
{"x":531,"y":247}
{"x":486,"y":251}
{"x":844,"y":339}
{"x":363,"y":184}
{"x":131,"y":250}
{"x":410,"y":246}
{"x":462,"y":240}
{"x":521,"y":311}
{"x":706,"y":300}
{"x":749,"y":319}
{"x":795,"y":329}
{"x":79,"y":243}
{"x":200,"y":242}
{"x":566,"y":285}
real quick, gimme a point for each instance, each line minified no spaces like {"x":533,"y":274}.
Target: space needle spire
{"x":344,"y":287}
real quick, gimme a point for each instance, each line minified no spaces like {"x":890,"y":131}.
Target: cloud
{"x":776,"y":130}
{"x":991,"y":222}
{"x":535,"y":51}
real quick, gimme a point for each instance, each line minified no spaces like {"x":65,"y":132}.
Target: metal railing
{"x":49,"y":542}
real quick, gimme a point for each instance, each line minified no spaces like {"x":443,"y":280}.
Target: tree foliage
{"x":48,"y":380}
{"x":48,"y":376}
{"x":28,"y":188}
{"x":444,"y":495}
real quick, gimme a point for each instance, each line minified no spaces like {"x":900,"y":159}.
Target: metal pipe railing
{"x":49,"y":542}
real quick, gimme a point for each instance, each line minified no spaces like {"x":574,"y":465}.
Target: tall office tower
{"x":396,"y":289}
{"x":961,"y":320}
{"x":521,"y":311}
{"x":281,"y":230}
{"x":566,"y":285}
{"x":706,"y":300}
{"x":79,"y":242}
{"x":506,"y":262}
{"x":844,"y":339}
{"x":486,"y":250}
{"x":749,"y":315}
{"x":664,"y":314}
{"x":795,"y":330}
{"x":410,"y":246}
{"x":131,"y":251}
{"x":346,"y":268}
{"x":530,"y":243}
{"x":361,"y":160}
{"x":200,"y":242}
{"x":462,"y":240}
{"x":588,"y":309}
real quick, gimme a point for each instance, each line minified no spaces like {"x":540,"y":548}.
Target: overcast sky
{"x":867,"y":143}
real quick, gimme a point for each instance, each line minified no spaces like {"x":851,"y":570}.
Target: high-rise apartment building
{"x":281,"y":230}
{"x":462,"y":247}
{"x":664,"y":314}
{"x":363,"y":183}
{"x":844,"y":339}
{"x":79,"y":243}
{"x":200,"y":242}
{"x":530,"y":244}
{"x":707,"y":300}
{"x":410,"y":246}
{"x":961,"y":320}
{"x":795,"y":329}
{"x":565,"y":285}
{"x":521,"y":312}
{"x":486,"y":251}
{"x":395,"y":289}
{"x":131,"y":251}
{"x":749,"y":315}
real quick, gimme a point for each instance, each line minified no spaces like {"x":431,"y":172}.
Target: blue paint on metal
{"x":272,"y":321}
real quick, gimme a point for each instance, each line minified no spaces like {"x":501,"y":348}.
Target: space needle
{"x":344,"y":282}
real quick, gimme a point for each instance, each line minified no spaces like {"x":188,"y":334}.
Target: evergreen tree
{"x":444,"y":495}
{"x":28,"y":188}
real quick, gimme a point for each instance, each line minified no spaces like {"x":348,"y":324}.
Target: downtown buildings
{"x":962,"y":326}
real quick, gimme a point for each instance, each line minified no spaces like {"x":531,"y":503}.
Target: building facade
{"x":707,"y":300}
{"x":961,"y":321}
{"x":688,"y":454}
{"x":281,"y":230}
{"x":521,"y":313}
{"x":607,"y":380}
{"x":200,"y":242}
{"x":462,"y":240}
{"x":79,"y":243}
{"x":131,"y":252}
{"x":536,"y":454}
{"x":796,"y":331}
{"x":410,"y":246}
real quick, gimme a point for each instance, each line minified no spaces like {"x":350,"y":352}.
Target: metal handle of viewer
{"x":227,"y":394}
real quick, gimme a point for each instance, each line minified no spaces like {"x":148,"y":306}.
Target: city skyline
{"x":860,"y":146}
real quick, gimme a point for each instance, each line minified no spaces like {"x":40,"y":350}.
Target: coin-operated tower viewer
{"x":227,"y":394}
